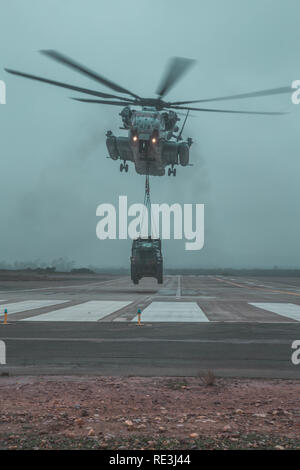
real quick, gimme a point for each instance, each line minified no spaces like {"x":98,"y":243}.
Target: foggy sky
{"x":53,"y":166}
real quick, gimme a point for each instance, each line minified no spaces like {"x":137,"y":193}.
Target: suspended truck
{"x":146,"y":259}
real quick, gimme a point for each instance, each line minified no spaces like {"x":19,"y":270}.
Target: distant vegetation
{"x":276,"y":271}
{"x":64,"y":265}
{"x":82,"y":271}
{"x":57,"y":265}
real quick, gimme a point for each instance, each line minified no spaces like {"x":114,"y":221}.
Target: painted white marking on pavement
{"x":25,"y":305}
{"x":173,"y":312}
{"x":285,"y":309}
{"x":178,"y":292}
{"x":88,"y":311}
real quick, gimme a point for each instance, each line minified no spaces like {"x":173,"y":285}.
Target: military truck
{"x":146,"y":259}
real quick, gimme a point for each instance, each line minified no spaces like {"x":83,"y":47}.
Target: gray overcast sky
{"x":246,"y":168}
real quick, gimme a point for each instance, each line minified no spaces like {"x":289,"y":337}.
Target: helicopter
{"x":154,"y":140}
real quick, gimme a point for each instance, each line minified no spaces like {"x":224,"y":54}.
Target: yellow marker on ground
{"x":139,"y":312}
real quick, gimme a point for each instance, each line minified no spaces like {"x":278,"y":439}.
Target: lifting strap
{"x":147,"y":205}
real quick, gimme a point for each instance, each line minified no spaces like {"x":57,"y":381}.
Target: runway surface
{"x":232,"y":325}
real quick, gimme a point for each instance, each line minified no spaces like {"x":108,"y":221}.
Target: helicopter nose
{"x":144,"y":136}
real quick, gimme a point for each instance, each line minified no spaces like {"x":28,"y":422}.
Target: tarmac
{"x":233,"y":326}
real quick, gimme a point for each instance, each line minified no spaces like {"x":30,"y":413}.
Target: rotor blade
{"x":255,"y":94}
{"x":66,"y":85}
{"x":180,"y":133}
{"x":177,"y":67}
{"x":85,"y":71}
{"x":184,"y":114}
{"x":116,"y":103}
{"x":228,"y":111}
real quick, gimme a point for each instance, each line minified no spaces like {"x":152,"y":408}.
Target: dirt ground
{"x":148,"y":413}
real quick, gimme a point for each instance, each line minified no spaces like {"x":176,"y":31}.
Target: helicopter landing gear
{"x":124,"y":166}
{"x":172,"y":171}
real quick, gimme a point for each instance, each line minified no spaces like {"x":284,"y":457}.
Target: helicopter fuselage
{"x":148,"y":143}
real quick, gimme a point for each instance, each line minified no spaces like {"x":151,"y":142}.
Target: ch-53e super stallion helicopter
{"x":154,"y":140}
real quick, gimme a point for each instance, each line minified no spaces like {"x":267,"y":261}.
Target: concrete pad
{"x":285,"y":309}
{"x":25,"y":305}
{"x":87,"y":311}
{"x":173,"y":312}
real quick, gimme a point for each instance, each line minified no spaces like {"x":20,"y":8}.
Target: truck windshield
{"x":146,"y":245}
